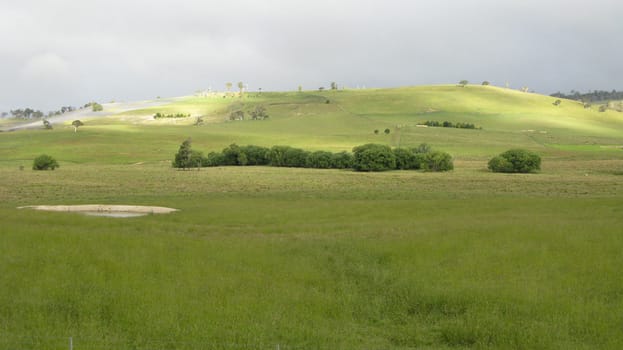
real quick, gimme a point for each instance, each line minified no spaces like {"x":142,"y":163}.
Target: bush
{"x":213,"y":159}
{"x":319,"y":160}
{"x":499,"y":164}
{"x":234,"y":155}
{"x":259,"y":113}
{"x":256,"y":155}
{"x":447,"y":124}
{"x":405,"y":159}
{"x":44,"y":162}
{"x":296,"y":157}
{"x":422,"y":148}
{"x":286,"y":156}
{"x":436,"y":161}
{"x":342,"y":160}
{"x":515,"y":161}
{"x":373,"y":157}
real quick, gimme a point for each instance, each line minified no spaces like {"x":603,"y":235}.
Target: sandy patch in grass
{"x":103,"y":208}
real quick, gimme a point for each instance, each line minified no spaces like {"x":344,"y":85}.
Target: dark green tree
{"x":44,"y":162}
{"x":96,"y":107}
{"x":259,"y":113}
{"x":515,"y":161}
{"x":373,"y":157}
{"x":256,"y":155}
{"x":286,"y":156}
{"x":342,"y":160}
{"x":437,"y":161}
{"x":405,"y":159}
{"x":76,"y":124}
{"x":186,"y":158}
{"x":319,"y":160}
{"x":234,"y":155}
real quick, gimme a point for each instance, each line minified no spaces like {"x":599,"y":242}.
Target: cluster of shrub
{"x":447,"y":124}
{"x":176,"y":115}
{"x":44,"y":162}
{"x":515,"y":161}
{"x":95,"y":107}
{"x":369,"y":157}
{"x":259,"y":113}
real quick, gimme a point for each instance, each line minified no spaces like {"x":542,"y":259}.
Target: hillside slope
{"x":339,"y":120}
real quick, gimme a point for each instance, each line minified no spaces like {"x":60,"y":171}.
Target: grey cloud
{"x":70,"y":52}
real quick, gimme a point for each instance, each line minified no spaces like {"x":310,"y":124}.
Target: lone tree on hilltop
{"x":333,"y":85}
{"x":485,"y":83}
{"x":240,"y":87}
{"x":228,"y":85}
{"x":96,"y":107}
{"x":557,"y":103}
{"x":463,"y":83}
{"x":76,"y":124}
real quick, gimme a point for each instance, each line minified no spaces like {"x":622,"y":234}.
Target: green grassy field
{"x":332,"y":259}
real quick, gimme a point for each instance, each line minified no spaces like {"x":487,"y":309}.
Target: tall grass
{"x":303,"y":258}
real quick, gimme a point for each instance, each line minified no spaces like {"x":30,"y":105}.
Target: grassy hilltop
{"x":304,"y":258}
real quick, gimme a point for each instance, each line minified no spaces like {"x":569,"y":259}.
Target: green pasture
{"x":262,"y":257}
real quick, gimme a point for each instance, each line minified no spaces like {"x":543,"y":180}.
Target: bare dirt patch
{"x":104,"y":209}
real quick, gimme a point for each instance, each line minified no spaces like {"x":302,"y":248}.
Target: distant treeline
{"x":29,"y":113}
{"x":447,"y":124}
{"x":594,"y":96}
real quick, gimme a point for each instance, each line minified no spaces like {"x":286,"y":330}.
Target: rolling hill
{"x":339,"y":120}
{"x":261,"y":257}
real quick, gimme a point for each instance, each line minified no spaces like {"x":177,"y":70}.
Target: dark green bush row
{"x":370,"y":157}
{"x":447,"y":124}
{"x":515,"y":161}
{"x":374,"y":157}
{"x":176,"y":115}
{"x":280,"y":156}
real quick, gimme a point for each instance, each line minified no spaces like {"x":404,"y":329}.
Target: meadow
{"x":262,"y":257}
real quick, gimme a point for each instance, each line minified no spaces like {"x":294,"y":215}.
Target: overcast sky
{"x":69,"y":52}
